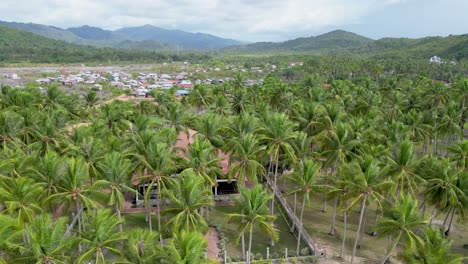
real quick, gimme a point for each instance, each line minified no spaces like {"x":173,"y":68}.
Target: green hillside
{"x":342,"y":42}
{"x":136,"y":38}
{"x":329,"y":42}
{"x":21,"y":46}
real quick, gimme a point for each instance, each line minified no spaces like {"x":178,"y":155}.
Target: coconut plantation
{"x":233,"y":132}
{"x":367,"y":169}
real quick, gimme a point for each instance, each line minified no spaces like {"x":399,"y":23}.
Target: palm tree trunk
{"x":377,"y":216}
{"x":78,"y":212}
{"x":447,"y":232}
{"x":423,"y":214}
{"x":159,"y":213}
{"x":447,"y":216}
{"x":392,"y":248}
{"x":344,"y":235}
{"x":272,"y":209}
{"x":250,"y":245}
{"x":243,"y":245}
{"x":332,"y":229}
{"x":363,"y":207}
{"x":363,"y":229}
{"x":295,"y":209}
{"x":432,"y":216}
{"x":302,"y":226}
{"x":119,"y":216}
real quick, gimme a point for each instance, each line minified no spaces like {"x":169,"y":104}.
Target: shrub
{"x":304,"y":251}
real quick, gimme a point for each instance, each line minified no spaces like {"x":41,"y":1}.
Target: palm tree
{"x":175,"y":116}
{"x":434,"y":249}
{"x":48,"y":171}
{"x":101,"y":238}
{"x":188,"y":195}
{"x":185,"y":247}
{"x":401,"y":221}
{"x":451,"y":123}
{"x":157,"y":161}
{"x":10,"y":124}
{"x":459,"y":153}
{"x":200,"y":97}
{"x":337,"y":147}
{"x":221,"y":106}
{"x":46,"y":242}
{"x":9,"y":234}
{"x":442,"y":189}
{"x":20,"y":197}
{"x":340,"y":190}
{"x":304,"y":179}
{"x":402,"y":167}
{"x":437,"y":95}
{"x":204,"y":160}
{"x":367,"y":185}
{"x":245,"y":156}
{"x":117,"y":171}
{"x":278,"y":134}
{"x":253,"y":205}
{"x":208,"y":126}
{"x":74,"y":189}
{"x":142,"y":247}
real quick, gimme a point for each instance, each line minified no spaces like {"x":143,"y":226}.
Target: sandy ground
{"x":213,"y":243}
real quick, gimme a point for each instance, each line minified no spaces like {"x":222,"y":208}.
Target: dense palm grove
{"x":392,"y":145}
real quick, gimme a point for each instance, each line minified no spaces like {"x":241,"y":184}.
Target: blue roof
{"x":182,"y":92}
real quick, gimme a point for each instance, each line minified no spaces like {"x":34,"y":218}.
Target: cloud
{"x":241,"y":19}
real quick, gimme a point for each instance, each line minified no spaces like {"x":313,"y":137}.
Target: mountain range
{"x":151,"y":38}
{"x":146,"y":37}
{"x":343,"y":42}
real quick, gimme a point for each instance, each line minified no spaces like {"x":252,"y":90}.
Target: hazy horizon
{"x":243,"y":20}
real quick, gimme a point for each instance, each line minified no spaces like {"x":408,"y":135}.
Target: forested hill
{"x":342,"y":42}
{"x":146,"y":37}
{"x":331,"y":41}
{"x":21,"y":46}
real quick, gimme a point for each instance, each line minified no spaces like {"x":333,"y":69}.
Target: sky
{"x":252,"y":20}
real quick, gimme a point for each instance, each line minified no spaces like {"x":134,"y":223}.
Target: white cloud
{"x":242,"y":19}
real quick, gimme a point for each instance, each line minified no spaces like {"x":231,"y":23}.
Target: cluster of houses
{"x":139,"y":84}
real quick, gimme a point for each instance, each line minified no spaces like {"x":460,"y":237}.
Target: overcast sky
{"x":252,"y":20}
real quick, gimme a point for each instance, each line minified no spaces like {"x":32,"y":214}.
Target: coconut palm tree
{"x":208,"y":126}
{"x":74,"y":189}
{"x":185,"y":247}
{"x":188,"y":195}
{"x":157,"y":161}
{"x":48,"y":171}
{"x":434,"y":249}
{"x":20,"y":198}
{"x":402,"y":222}
{"x":204,"y":160}
{"x":245,"y":156}
{"x":277,"y":133}
{"x":142,"y":247}
{"x":253,"y":208}
{"x":442,"y":189}
{"x":304,"y":179}
{"x":337,"y":147}
{"x":403,"y":169}
{"x":340,"y":190}
{"x":367,"y":185}
{"x":437,"y":95}
{"x":101,"y":239}
{"x":46,"y":242}
{"x":458,"y":152}
{"x":117,"y":171}
{"x":10,"y":233}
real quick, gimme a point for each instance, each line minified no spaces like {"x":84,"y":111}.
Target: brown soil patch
{"x":213,"y":243}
